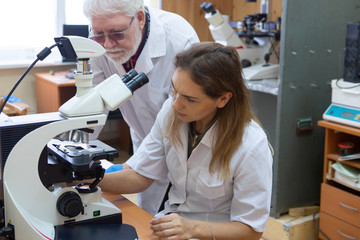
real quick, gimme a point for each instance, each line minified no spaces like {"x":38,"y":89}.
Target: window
{"x":153,"y":3}
{"x":23,"y":31}
{"x":29,"y":26}
{"x":74,"y":12}
{"x":28,"y":32}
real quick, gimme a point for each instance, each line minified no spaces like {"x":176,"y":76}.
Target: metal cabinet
{"x":311,"y":55}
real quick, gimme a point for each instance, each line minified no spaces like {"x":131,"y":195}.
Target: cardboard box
{"x":291,"y":228}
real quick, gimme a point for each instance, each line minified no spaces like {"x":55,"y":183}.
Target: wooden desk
{"x":53,"y":90}
{"x":133,"y":215}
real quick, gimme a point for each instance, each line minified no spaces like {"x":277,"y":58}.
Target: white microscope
{"x":39,"y":204}
{"x":254,"y":54}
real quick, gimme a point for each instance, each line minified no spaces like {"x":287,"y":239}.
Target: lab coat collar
{"x":205,"y":141}
{"x":154,"y":47}
{"x":209,"y":137}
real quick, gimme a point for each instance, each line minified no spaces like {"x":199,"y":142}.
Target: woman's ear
{"x":224,"y":99}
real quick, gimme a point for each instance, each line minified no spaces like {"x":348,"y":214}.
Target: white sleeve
{"x":253,"y":184}
{"x":150,"y":159}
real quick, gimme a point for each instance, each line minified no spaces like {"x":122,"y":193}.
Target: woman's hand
{"x":172,"y":226}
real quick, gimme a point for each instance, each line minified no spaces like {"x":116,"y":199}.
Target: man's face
{"x":119,"y":51}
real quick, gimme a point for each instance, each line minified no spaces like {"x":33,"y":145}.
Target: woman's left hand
{"x":171,"y":226}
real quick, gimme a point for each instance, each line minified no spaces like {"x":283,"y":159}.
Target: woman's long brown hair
{"x":218,"y":70}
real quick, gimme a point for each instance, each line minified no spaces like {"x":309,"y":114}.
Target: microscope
{"x":52,"y":151}
{"x":255,"y":49}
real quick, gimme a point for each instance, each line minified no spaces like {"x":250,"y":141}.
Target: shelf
{"x":330,"y":175}
{"x":340,"y":127}
{"x":335,"y":157}
{"x":344,"y":184}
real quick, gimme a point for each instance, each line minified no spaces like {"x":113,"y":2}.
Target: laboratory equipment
{"x":345,"y":103}
{"x":255,"y":49}
{"x":53,"y":151}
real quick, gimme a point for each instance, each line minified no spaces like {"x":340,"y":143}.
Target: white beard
{"x":121,"y":55}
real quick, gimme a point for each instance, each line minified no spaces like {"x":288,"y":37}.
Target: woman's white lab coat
{"x":195,"y":193}
{"x":169,"y":34}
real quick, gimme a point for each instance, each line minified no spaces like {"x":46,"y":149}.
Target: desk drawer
{"x":337,"y":229}
{"x":340,"y":204}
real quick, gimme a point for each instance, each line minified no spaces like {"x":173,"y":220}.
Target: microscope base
{"x":96,"y":232}
{"x":100,"y":228}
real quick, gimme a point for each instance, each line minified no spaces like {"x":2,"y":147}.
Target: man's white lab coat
{"x":169,"y":34}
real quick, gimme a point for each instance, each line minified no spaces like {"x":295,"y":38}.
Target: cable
{"x":273,"y":49}
{"x":318,"y":228}
{"x":40,"y":56}
{"x":337,"y":84}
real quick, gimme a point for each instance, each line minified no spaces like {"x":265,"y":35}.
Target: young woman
{"x":207,"y":142}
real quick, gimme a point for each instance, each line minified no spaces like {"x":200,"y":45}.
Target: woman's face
{"x":191,"y":103}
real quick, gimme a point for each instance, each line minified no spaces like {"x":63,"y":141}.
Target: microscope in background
{"x":251,"y":38}
{"x":52,"y":150}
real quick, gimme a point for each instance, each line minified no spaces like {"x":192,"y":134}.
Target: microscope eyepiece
{"x":137,"y":82}
{"x":208,"y":7}
{"x":128,"y":76}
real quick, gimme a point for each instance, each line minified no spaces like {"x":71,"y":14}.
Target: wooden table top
{"x":57,"y":78}
{"x":133,"y":215}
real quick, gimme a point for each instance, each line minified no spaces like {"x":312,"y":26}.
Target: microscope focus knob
{"x":69,"y":204}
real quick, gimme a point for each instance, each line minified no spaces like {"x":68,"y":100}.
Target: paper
{"x":350,"y":157}
{"x":347,"y":174}
{"x":105,"y":163}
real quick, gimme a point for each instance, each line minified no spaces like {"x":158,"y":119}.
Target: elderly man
{"x":147,"y":40}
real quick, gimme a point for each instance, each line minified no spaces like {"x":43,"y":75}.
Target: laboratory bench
{"x":270,"y":86}
{"x":264,"y":99}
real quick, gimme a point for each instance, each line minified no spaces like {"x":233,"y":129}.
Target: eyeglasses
{"x":115,"y":36}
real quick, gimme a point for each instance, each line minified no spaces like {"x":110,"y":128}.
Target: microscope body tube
{"x":116,"y":90}
{"x":83,"y":77}
{"x":113,"y":91}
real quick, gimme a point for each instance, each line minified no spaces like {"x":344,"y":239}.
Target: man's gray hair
{"x":106,"y":7}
